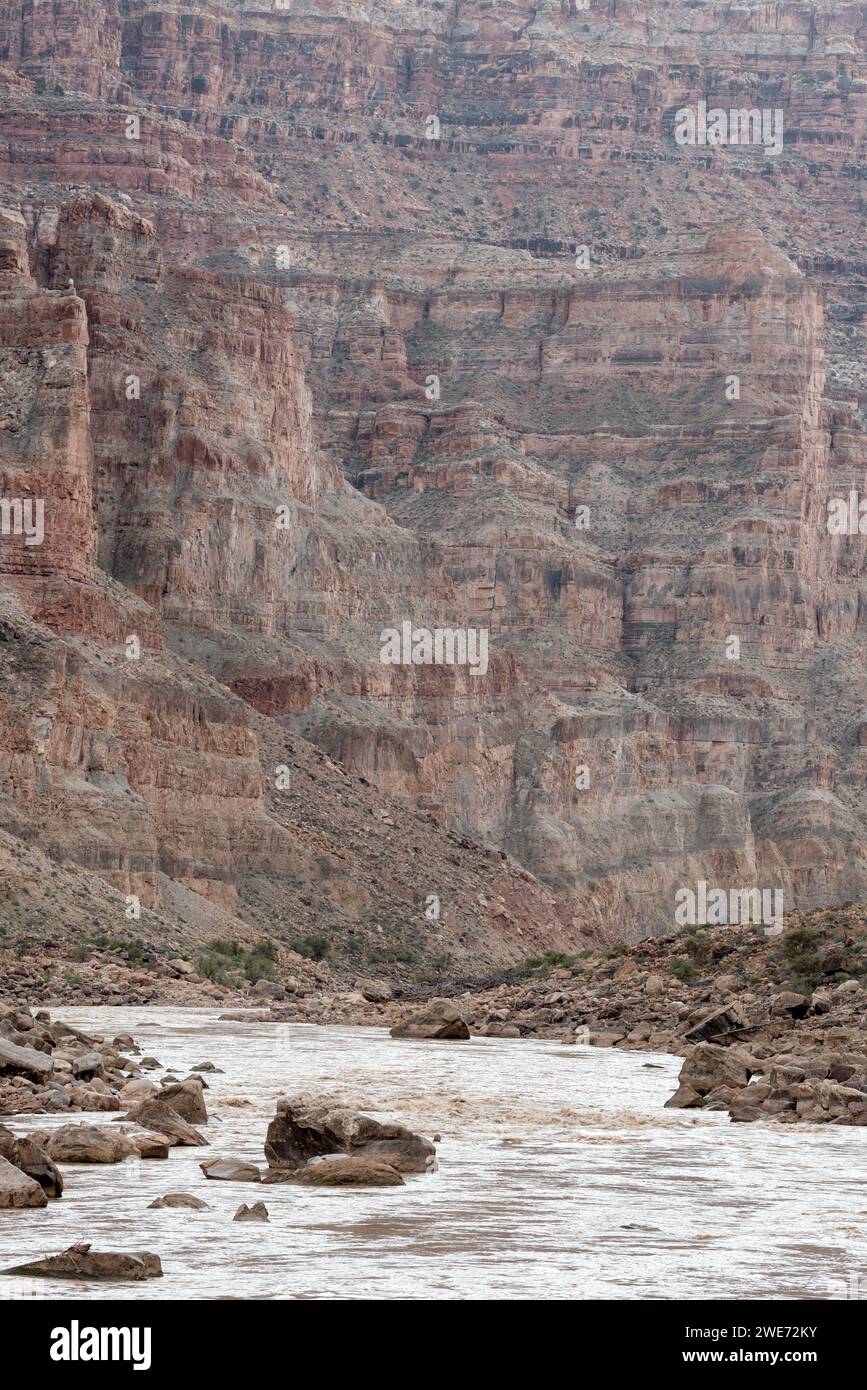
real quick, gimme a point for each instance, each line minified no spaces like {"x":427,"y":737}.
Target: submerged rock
{"x":80,"y":1262}
{"x":230,"y":1170}
{"x":348,"y":1172}
{"x":246,"y":1016}
{"x":179,"y":1199}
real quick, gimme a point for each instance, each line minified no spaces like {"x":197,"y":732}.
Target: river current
{"x":560,"y":1176}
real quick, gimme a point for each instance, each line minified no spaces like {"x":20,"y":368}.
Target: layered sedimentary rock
{"x":317,"y":322}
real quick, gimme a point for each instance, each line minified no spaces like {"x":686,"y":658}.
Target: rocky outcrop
{"x":50,"y":1066}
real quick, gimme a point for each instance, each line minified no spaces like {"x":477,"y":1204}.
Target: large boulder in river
{"x":80,"y":1262}
{"x":707,"y":1065}
{"x":162,"y":1118}
{"x":437,"y":1019}
{"x":308,"y":1126}
{"x":87,"y":1144}
{"x":17,"y":1189}
{"x":31,"y":1158}
{"x":187,"y":1098}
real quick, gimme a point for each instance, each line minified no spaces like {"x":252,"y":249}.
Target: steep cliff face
{"x":316,"y":322}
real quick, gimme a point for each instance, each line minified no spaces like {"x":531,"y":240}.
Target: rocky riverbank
{"x":769,"y":1026}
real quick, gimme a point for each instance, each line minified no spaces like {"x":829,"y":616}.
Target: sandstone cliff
{"x":298,"y":343}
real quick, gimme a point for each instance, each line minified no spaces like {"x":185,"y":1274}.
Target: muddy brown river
{"x":561,"y":1177}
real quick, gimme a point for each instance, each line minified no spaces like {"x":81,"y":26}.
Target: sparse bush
{"x":226,"y":961}
{"x":311,"y":946}
{"x":682,"y":969}
{"x":803,"y":960}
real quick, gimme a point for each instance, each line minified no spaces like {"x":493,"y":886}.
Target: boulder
{"x":162,"y":1118}
{"x":152,"y":1145}
{"x":684,"y":1098}
{"x":87,"y":1065}
{"x":267,"y":989}
{"x":308,"y":1126}
{"x":24,"y":1061}
{"x":83,"y":1263}
{"x":187,"y":1099}
{"x":230,"y":1170}
{"x":180,"y":1199}
{"x":134,"y":1092}
{"x":88,"y":1099}
{"x":348,"y":1172}
{"x":32,"y":1159}
{"x":708,"y":1065}
{"x":438,"y":1019}
{"x":789,"y":1004}
{"x":257,"y":1212}
{"x":17,"y":1189}
{"x":375,"y":991}
{"x":87,"y":1144}
{"x":742,"y":1112}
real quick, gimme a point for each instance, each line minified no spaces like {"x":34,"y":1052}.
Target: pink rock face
{"x":298,"y":344}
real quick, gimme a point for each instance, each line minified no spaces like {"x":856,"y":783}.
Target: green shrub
{"x":682,"y":969}
{"x":698,"y":947}
{"x":131,"y":949}
{"x":802,"y":959}
{"x":311,"y":946}
{"x":226,"y":961}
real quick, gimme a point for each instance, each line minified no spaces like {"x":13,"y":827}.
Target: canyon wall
{"x":317,"y":320}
